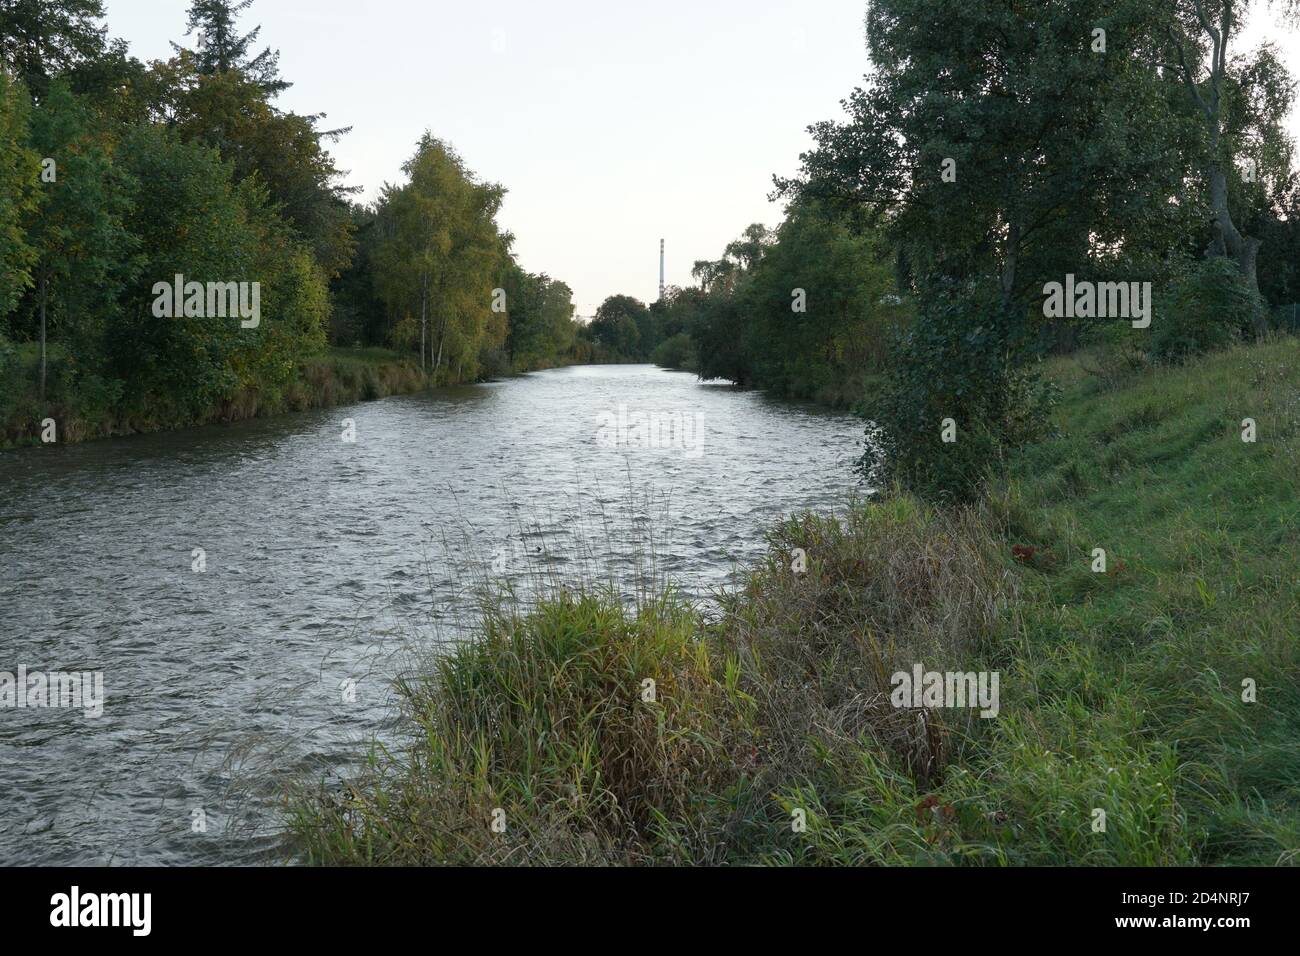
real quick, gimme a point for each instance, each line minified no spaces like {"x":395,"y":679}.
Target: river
{"x":248,"y":591}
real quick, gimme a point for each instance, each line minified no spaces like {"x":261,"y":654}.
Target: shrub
{"x":887,"y":586}
{"x":1209,"y":306}
{"x":542,"y":716}
{"x":958,"y":361}
{"x":494,"y":363}
{"x":677,"y":352}
{"x":8,"y":373}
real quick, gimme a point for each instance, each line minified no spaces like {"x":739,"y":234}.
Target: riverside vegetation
{"x":1121,"y":691}
{"x":1150,"y":701}
{"x":996,"y":150}
{"x":116,"y":175}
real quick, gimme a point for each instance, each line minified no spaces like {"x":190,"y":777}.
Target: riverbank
{"x":842,"y":396}
{"x":339,"y":376}
{"x":1148,"y":710}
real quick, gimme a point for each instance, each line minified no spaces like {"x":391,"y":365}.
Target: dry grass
{"x":541,"y":714}
{"x":891,"y":585}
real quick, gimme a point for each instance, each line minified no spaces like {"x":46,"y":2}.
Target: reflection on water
{"x":326,"y":565}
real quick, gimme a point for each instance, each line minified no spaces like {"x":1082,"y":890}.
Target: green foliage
{"x":85,"y":253}
{"x":543,"y":717}
{"x":540,"y":310}
{"x":1209,"y":306}
{"x":223,"y":49}
{"x":804,"y":311}
{"x":1045,"y":177}
{"x":954,"y":371}
{"x":821,"y":306}
{"x":621,"y":330}
{"x":718,"y":328}
{"x":41,"y":39}
{"x":9,"y":374}
{"x":19,"y":172}
{"x":188,"y":218}
{"x":677,"y":352}
{"x":231,"y":112}
{"x":437,"y":256}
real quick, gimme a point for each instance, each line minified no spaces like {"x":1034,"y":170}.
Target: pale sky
{"x":612,"y":123}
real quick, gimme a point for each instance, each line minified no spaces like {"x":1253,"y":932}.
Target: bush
{"x":677,"y":352}
{"x":8,"y":373}
{"x":1209,"y":306}
{"x":543,"y":716}
{"x":958,"y":362}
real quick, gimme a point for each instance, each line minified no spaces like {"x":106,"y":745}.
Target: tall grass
{"x":545,"y":715}
{"x":1123,"y":736}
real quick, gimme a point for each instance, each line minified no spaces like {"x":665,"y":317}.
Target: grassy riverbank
{"x":338,"y":376}
{"x":1120,"y":691}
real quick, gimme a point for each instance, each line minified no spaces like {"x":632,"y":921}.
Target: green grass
{"x":1201,"y":532}
{"x":1121,"y":691}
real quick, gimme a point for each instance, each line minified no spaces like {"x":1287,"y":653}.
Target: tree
{"x":232,"y":113}
{"x":817,"y":301}
{"x":992,"y":141}
{"x":748,"y":250}
{"x":540,"y":312}
{"x":77,"y":230}
{"x":1203,"y":30}
{"x":619,"y":325}
{"x":719,"y":332}
{"x":708,"y":272}
{"x":223,"y":49}
{"x":41,"y":39}
{"x":437,"y":253}
{"x":20,"y":170}
{"x":1002,"y":146}
{"x":359,"y":316}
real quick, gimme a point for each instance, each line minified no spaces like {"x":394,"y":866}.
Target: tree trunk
{"x":45,"y":282}
{"x":1230,"y":243}
{"x":1228,"y":240}
{"x":1011,"y":265}
{"x":424,"y":312}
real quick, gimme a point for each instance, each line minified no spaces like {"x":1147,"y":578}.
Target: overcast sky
{"x":612,"y":123}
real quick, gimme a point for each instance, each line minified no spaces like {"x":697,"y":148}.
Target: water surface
{"x":327,"y":565}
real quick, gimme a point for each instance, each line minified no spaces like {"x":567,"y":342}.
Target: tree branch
{"x":1189,"y":78}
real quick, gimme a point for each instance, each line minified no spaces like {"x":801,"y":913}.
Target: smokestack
{"x":661,"y":269}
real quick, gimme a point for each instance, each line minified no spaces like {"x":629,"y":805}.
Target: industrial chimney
{"x":661,"y":270}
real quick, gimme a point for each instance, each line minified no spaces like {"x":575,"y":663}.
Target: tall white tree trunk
{"x":1228,"y":240}
{"x":424,"y":318}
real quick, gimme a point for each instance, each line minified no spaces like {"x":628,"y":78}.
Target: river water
{"x":249,"y":591}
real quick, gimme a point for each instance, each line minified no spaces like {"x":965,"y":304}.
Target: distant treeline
{"x":805,"y":311}
{"x":117,"y":177}
{"x":1125,"y":154}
